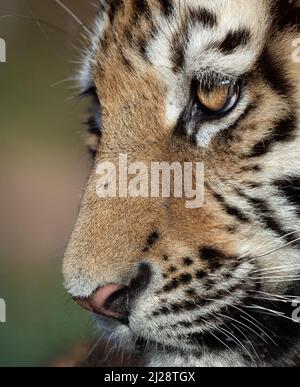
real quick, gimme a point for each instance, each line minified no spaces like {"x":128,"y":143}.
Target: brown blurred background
{"x":43,"y":166}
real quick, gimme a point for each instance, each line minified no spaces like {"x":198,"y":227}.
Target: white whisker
{"x":274,"y":250}
{"x":233,"y":337}
{"x":270,"y":312}
{"x":278,"y":277}
{"x":266,"y":245}
{"x":217,"y":338}
{"x":286,"y":297}
{"x":72,"y":14}
{"x":277,"y":269}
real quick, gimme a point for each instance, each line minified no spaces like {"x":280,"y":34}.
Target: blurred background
{"x":43,"y":167}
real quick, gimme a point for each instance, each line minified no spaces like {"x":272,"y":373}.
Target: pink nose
{"x":99,"y":301}
{"x":118,"y":301}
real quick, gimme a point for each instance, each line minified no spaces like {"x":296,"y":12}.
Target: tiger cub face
{"x":210,"y":81}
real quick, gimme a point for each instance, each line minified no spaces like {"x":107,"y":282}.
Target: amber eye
{"x":219,"y":99}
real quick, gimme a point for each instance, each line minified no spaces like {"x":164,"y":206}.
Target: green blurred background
{"x":43,"y":166}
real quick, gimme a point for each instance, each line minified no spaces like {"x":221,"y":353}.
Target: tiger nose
{"x":109,"y":301}
{"x":116,"y":301}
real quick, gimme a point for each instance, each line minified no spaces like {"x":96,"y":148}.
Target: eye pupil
{"x":218,"y":99}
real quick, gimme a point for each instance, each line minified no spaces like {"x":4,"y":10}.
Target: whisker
{"x":242,"y":324}
{"x":69,"y":79}
{"x":277,"y":269}
{"x":274,"y":250}
{"x":278,"y":277}
{"x":270,"y":312}
{"x":230,"y":335}
{"x":27,"y":17}
{"x":256,"y":297}
{"x":287,"y":297}
{"x":247,"y":339}
{"x":217,"y":338}
{"x":72,"y":14}
{"x":254,"y":321}
{"x":93,"y":348}
{"x":262,"y":330}
{"x":281,"y":280}
{"x":267,"y":244}
{"x":237,"y":340}
{"x":250,"y":319}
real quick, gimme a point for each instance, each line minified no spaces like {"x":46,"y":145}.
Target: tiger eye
{"x":219,"y":98}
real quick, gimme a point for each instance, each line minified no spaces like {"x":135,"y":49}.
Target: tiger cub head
{"x":213,"y":85}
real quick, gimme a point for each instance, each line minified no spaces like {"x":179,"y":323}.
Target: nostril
{"x":122,"y":301}
{"x":119,"y":302}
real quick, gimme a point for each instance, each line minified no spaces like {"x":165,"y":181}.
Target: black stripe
{"x":284,"y":131}
{"x":231,"y":210}
{"x":286,"y":15}
{"x":126,"y":61}
{"x":144,"y":41}
{"x":274,"y":72}
{"x":230,"y":135}
{"x":178,"y":48}
{"x":290,"y":188}
{"x":195,"y":16}
{"x":234,"y":40}
{"x":253,"y":184}
{"x":114,"y":8}
{"x":251,"y":168}
{"x":212,"y":256}
{"x":167,"y":7}
{"x":267,"y":216}
{"x":140,"y":9}
{"x":197,"y":302}
{"x":143,"y":44}
{"x":204,"y":17}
